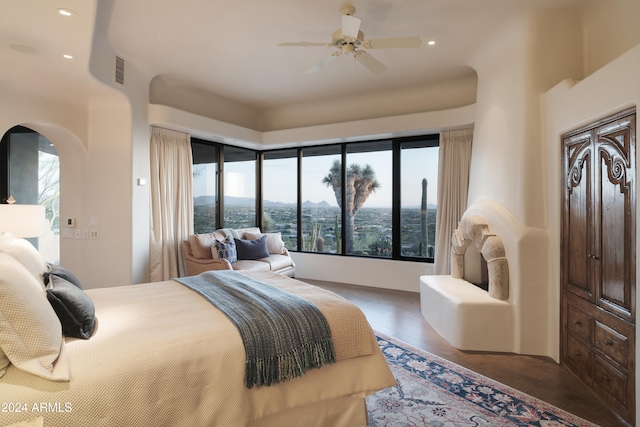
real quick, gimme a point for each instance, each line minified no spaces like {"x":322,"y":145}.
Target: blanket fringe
{"x":287,"y":366}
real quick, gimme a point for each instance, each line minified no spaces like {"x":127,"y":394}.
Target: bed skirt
{"x":346,"y":411}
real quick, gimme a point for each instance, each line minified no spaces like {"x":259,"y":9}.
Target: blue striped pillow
{"x":225,"y":250}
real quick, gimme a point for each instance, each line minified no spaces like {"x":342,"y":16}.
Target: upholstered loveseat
{"x":237,"y":249}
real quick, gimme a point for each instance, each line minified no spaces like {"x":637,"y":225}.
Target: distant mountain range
{"x":249,"y":201}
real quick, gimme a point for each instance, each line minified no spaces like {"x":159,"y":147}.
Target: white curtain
{"x":171,"y":202}
{"x":453,"y":188}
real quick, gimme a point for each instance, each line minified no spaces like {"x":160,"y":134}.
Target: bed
{"x":161,"y":354}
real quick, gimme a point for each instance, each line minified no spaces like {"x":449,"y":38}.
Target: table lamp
{"x":22,"y":220}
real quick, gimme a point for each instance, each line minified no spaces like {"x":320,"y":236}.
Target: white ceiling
{"x":229,"y":48}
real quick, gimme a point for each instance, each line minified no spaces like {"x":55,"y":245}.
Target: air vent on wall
{"x":119,"y":70}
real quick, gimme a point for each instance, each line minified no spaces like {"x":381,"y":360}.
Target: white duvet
{"x":162,"y":355}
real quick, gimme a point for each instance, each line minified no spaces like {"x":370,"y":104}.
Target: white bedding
{"x":161,"y":355}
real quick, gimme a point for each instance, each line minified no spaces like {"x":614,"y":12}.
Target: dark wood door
{"x":615,"y":211}
{"x":598,"y":259}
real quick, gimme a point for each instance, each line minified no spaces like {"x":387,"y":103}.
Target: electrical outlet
{"x":93,"y":234}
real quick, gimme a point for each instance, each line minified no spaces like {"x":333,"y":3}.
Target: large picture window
{"x":386,"y":208}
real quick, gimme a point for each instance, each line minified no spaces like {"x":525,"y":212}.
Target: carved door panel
{"x":615,"y":196}
{"x":578,"y":238}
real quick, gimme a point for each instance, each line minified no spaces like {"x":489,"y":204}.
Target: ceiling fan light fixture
{"x":349,"y":39}
{"x":348,"y":49}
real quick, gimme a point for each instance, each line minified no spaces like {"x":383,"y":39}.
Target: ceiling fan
{"x":349,"y":40}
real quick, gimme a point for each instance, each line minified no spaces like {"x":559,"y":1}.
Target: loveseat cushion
{"x":247,"y":264}
{"x":277,"y":262}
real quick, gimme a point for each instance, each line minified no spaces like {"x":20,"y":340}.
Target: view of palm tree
{"x":360,"y":183}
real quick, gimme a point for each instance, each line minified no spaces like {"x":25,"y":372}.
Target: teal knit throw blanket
{"x":283,"y":334}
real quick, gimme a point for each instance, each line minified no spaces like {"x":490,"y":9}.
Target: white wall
{"x":526,"y":57}
{"x":376,"y":273}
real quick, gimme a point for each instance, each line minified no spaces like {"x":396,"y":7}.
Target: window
{"x":389,"y":208}
{"x":280,"y":195}
{"x":368,"y":209}
{"x":321,"y":215}
{"x":239,"y":187}
{"x":205,"y":186}
{"x":419,"y":183}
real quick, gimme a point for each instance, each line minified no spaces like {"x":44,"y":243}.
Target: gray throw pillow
{"x":73,"y":307}
{"x":252,"y":249}
{"x":56,"y":270}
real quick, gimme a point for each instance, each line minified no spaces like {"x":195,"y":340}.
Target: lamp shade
{"x":23,"y":220}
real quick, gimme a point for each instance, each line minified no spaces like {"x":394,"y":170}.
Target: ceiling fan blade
{"x":350,"y":26}
{"x":320,"y":65}
{"x":371,"y":63}
{"x":304,"y":44}
{"x":393,"y":42}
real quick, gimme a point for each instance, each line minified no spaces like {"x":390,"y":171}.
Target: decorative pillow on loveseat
{"x":225,"y":250}
{"x":252,"y":249}
{"x":201,"y":243}
{"x":275,"y":244}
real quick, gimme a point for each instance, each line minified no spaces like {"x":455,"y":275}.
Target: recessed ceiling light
{"x":68,"y":56}
{"x":23,"y":48}
{"x":431,"y":42}
{"x":67,"y":12}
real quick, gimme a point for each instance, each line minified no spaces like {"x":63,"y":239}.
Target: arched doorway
{"x":30,"y":173}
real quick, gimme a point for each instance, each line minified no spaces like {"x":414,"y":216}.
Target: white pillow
{"x":25,"y":253}
{"x":275,"y":244}
{"x":238,"y":233}
{"x":201,"y":244}
{"x":30,"y":331}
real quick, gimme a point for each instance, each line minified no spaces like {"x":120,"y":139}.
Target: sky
{"x":280,"y":178}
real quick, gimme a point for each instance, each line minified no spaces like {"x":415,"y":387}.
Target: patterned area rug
{"x":432,"y":391}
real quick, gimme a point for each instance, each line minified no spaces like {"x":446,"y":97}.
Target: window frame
{"x":397,"y":144}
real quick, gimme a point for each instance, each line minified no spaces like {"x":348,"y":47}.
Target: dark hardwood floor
{"x":397,"y":313}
